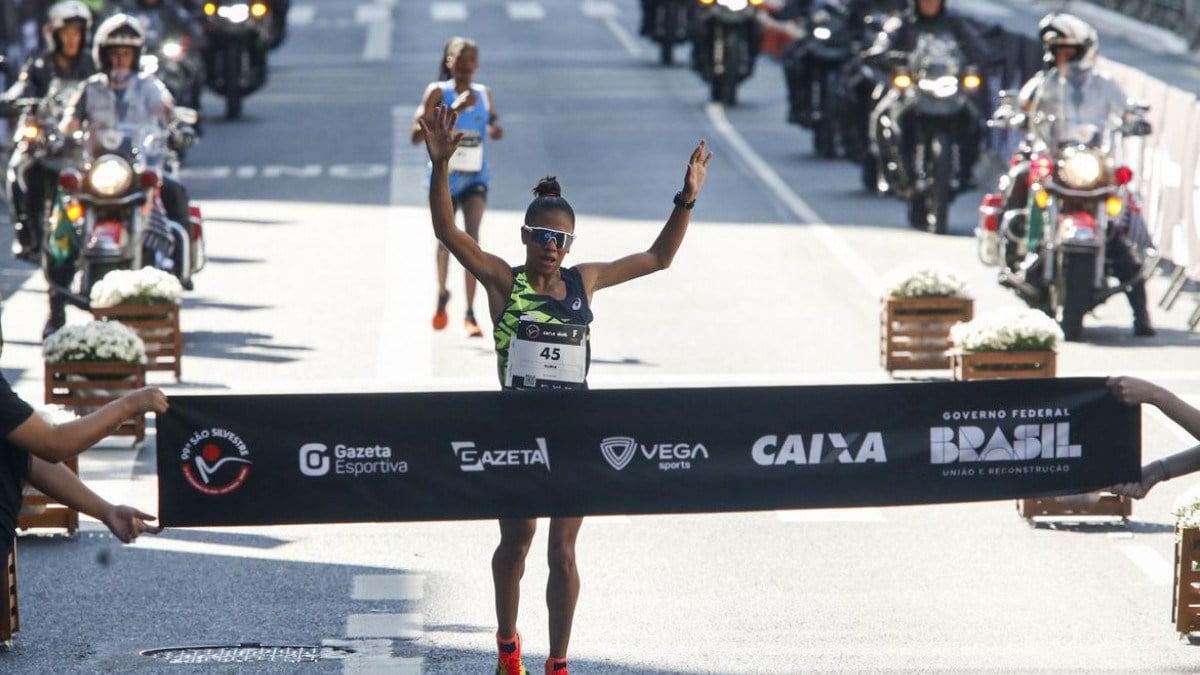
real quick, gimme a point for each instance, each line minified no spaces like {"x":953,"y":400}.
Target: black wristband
{"x":682,"y":204}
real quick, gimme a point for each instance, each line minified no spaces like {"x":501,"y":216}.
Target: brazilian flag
{"x":62,"y":243}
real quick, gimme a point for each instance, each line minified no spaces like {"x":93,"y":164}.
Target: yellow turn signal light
{"x":74,"y":211}
{"x":1113,"y":206}
{"x":902,"y":80}
{"x":210,"y":9}
{"x":258,"y":10}
{"x":972,"y":81}
{"x":30,"y":132}
{"x":707,"y":2}
{"x":756,"y":3}
{"x":1041,"y":198}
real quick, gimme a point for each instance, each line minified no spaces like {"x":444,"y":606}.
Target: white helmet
{"x":62,"y":13}
{"x":118,"y":30}
{"x":1067,"y":30}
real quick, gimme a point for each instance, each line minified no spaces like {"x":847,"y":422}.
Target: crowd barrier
{"x":290,"y":459}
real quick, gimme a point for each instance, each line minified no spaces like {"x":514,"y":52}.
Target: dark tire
{"x":726,"y":83}
{"x":940,"y":162}
{"x":1074,"y":288}
{"x":233,"y":82}
{"x":666,"y":48}
{"x":916,"y":212}
{"x":825,"y":131}
{"x":870,"y":173}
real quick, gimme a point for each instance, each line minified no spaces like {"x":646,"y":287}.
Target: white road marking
{"x":526,"y":11}
{"x":626,"y":39}
{"x":273,"y":171}
{"x":448,"y":11}
{"x":856,"y":515}
{"x":379,"y":625}
{"x":388,"y":587}
{"x":378,"y":19}
{"x":850,"y":259}
{"x":405,"y":348}
{"x":301,"y":15}
{"x":599,"y":9}
{"x":983,"y":9}
{"x":384,"y":666}
{"x":1156,"y":569}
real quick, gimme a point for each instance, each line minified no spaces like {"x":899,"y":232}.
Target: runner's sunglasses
{"x":542,"y":236}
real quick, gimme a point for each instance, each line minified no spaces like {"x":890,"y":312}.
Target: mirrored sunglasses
{"x":542,"y":236}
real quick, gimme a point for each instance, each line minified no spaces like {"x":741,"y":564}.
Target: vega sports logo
{"x":619,"y":451}
{"x":215,"y":461}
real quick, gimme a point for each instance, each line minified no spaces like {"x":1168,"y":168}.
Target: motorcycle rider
{"x":1074,"y":89}
{"x":163,"y":20}
{"x":118,"y":94}
{"x":67,"y":30}
{"x":900,"y":36}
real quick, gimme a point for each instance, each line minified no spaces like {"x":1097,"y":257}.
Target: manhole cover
{"x":247,"y":652}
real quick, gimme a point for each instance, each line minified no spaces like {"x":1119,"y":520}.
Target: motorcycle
{"x":173,"y":59}
{"x":1079,"y":191}
{"x":667,"y":23}
{"x":862,"y":86}
{"x":933,"y":100}
{"x":238,"y":35}
{"x":825,"y":44}
{"x":109,"y":213}
{"x":37,"y":142}
{"x":725,"y":44}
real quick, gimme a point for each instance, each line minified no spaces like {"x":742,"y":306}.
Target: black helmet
{"x":118,"y":30}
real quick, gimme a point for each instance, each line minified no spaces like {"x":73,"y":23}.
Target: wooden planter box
{"x":1092,"y":504}
{"x":157,"y":326}
{"x":1185,"y":601}
{"x":86,"y":385}
{"x":914,"y":333}
{"x":10,"y":618}
{"x":995,"y":365}
{"x":38,"y":510}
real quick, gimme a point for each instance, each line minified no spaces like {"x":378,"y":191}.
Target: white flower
{"x":94,"y":341}
{"x":924,"y":280}
{"x":145,"y":286}
{"x":1187,"y":508}
{"x":1007,"y":330}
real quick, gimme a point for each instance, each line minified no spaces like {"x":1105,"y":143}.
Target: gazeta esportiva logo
{"x":215,"y":461}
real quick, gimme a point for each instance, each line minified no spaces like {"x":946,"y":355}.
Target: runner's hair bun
{"x":548,"y":187}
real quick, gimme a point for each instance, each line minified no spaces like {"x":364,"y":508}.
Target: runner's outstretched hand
{"x":697,"y":170}
{"x":441,"y":140}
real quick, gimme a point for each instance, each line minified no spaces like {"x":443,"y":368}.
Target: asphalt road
{"x":321,"y":280}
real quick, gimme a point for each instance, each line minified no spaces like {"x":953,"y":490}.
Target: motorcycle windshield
{"x":1087,"y":113}
{"x":146,"y":143}
{"x":58,"y":95}
{"x":936,"y":55}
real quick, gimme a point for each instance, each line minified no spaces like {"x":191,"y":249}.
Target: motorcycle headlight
{"x":735,"y":5}
{"x":941,"y":87}
{"x":235,"y":13}
{"x":172,"y":50}
{"x":110,"y":176}
{"x":1082,"y":169}
{"x":822,"y":33}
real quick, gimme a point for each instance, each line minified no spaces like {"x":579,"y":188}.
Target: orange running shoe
{"x":556,"y":666}
{"x":473,"y":329}
{"x":509,"y":662}
{"x":440,"y":318}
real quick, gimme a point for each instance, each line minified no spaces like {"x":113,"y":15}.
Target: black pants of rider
{"x":799,"y":83}
{"x":1125,"y":267}
{"x":27,"y":206}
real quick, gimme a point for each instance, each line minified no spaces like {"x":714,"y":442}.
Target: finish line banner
{"x":335,"y":458}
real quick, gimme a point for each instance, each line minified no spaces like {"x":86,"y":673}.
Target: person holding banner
{"x":31,"y":450}
{"x":1134,"y":391}
{"x":541,"y":311}
{"x":469,"y":175}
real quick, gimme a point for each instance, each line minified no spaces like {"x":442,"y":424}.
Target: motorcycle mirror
{"x":187,"y":115}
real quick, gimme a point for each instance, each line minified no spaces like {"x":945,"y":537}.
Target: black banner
{"x":277,"y":459}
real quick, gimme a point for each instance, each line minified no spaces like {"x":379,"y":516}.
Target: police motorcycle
{"x":174,"y":59}
{"x":37,"y":141}
{"x":725,"y":43}
{"x":1079,"y":193}
{"x":827,"y":43}
{"x":935,"y":91}
{"x":667,"y":22}
{"x":238,"y":34}
{"x":109,"y":214}
{"x":863,"y":84}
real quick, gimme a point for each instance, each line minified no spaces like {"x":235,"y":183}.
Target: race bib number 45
{"x":547,"y":356}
